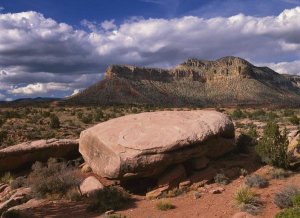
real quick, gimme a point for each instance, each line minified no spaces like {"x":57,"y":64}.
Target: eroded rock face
{"x":146,"y":144}
{"x":26,"y":153}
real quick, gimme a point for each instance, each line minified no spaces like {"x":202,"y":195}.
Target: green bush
{"x":108,"y":198}
{"x":164,"y":205}
{"x":54,"y":178}
{"x":294,"y":120}
{"x":238,"y":114}
{"x":284,"y":198}
{"x":279,"y":173}
{"x":296,"y":200}
{"x":244,"y":196}
{"x":273,"y":147}
{"x":289,"y":213}
{"x":54,"y":122}
{"x":256,"y":181}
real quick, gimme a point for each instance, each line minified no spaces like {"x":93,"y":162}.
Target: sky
{"x":56,"y":48}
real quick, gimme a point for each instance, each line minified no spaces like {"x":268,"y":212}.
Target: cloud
{"x":39,"y":55}
{"x":40,"y":88}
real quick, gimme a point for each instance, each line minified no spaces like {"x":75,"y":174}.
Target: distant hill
{"x":227,"y":81}
{"x":29,"y":101}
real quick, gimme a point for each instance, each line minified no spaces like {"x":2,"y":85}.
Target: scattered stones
{"x":20,"y":155}
{"x":217,"y":190}
{"x":20,"y":196}
{"x":157,"y":192}
{"x":197,"y":185}
{"x":90,"y":185}
{"x":184,"y":184}
{"x":146,"y":144}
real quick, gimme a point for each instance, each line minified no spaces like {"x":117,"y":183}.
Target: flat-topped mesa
{"x":137,"y":73}
{"x":227,"y":66}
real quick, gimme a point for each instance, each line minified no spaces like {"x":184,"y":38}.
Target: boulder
{"x":198,"y":163}
{"x":156,"y":193}
{"x":173,"y":176}
{"x":26,"y":153}
{"x":146,"y":144}
{"x":294,"y":149}
{"x":90,"y":185}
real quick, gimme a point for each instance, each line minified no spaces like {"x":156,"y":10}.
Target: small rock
{"x":86,"y":168}
{"x":109,"y":212}
{"x":184,"y":184}
{"x":217,"y":190}
{"x":197,"y":185}
{"x":198,"y":163}
{"x":157,"y":192}
{"x":90,"y":185}
{"x":197,"y":195}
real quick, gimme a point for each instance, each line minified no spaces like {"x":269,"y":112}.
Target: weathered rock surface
{"x":90,"y":185}
{"x":26,"y":153}
{"x":172,"y":176}
{"x":226,"y":81}
{"x":20,"y":196}
{"x":146,"y":144}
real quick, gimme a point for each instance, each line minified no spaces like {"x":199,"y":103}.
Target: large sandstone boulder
{"x":146,"y":144}
{"x":26,"y":153}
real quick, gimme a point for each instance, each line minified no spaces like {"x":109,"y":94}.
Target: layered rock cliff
{"x":226,"y":81}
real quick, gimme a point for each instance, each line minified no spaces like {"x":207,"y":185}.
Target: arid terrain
{"x":210,"y":192}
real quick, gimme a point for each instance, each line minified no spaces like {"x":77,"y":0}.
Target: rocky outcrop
{"x":26,"y":153}
{"x":90,"y":185}
{"x":226,"y":81}
{"x":146,"y":144}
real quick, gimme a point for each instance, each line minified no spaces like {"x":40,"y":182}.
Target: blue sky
{"x":58,"y":47}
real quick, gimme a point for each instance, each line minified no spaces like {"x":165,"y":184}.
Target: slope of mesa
{"x":228,"y":81}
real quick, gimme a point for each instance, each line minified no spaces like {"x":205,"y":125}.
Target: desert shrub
{"x":79,"y":115}
{"x":164,"y":205}
{"x":54,"y":178}
{"x":283,"y":199}
{"x":18,"y":182}
{"x":6,"y":178}
{"x":73,"y":194}
{"x":296,"y":200}
{"x":108,"y":198}
{"x":221,"y":178}
{"x":279,"y":173}
{"x":88,"y":118}
{"x":238,"y":114}
{"x":54,"y":121}
{"x":273,"y":147}
{"x":2,"y":121}
{"x":289,"y":213}
{"x":98,"y":115}
{"x":46,"y":114}
{"x":272,"y":115}
{"x":3,"y":136}
{"x":259,"y":114}
{"x":256,"y":181}
{"x":247,"y":201}
{"x":252,"y":131}
{"x":244,"y":196}
{"x":288,"y":112}
{"x":294,"y":120}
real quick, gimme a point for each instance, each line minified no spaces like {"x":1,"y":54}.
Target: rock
{"x":90,"y":185}
{"x":32,"y":203}
{"x":243,"y":215}
{"x":146,"y":144}
{"x":172,"y":176}
{"x":217,"y":190}
{"x":109,"y":212}
{"x":198,"y":163}
{"x":18,"y":156}
{"x":20,"y":196}
{"x":207,"y":175}
{"x":156,"y":193}
{"x":294,"y":150}
{"x":86,"y":168}
{"x":3,"y":187}
{"x":184,"y":184}
{"x":197,"y":195}
{"x":197,"y":185}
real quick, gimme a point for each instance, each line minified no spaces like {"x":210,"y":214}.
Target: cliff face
{"x":226,"y":81}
